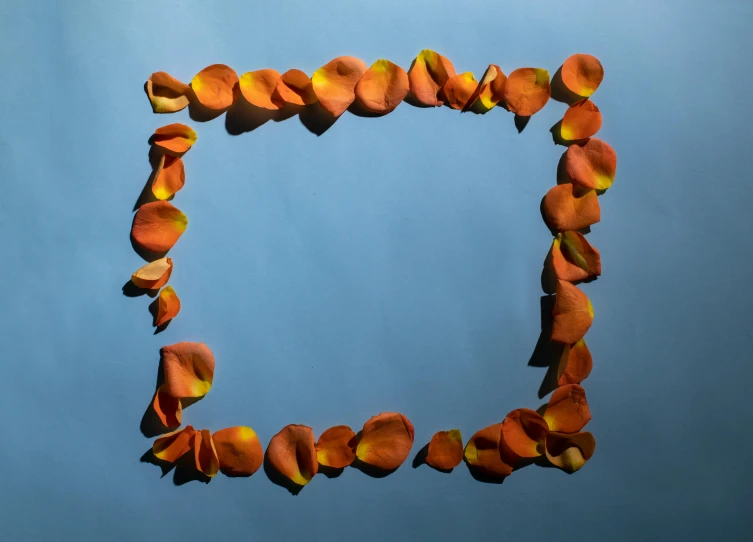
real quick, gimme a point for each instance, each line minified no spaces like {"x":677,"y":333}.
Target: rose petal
{"x":216,"y":86}
{"x":459,"y":89}
{"x":382,"y":87}
{"x":238,"y":451}
{"x":259,"y":86}
{"x":166,"y":93}
{"x":188,"y":369}
{"x":335,"y":83}
{"x":205,"y":454}
{"x":174,"y":139}
{"x":168,"y":408}
{"x":169,"y":178}
{"x":295,"y":87}
{"x":428,"y":75}
{"x":482,"y":452}
{"x":582,"y":74}
{"x":567,"y":207}
{"x":524,"y":432}
{"x":575,"y":364}
{"x":527,"y":91}
{"x":445,"y":450}
{"x":158,"y":225}
{"x":490,"y":90}
{"x":591,"y":164}
{"x":581,"y":121}
{"x":567,"y":411}
{"x":336,"y":447}
{"x":168,"y":306}
{"x":153,"y":275}
{"x":171,"y":446}
{"x":293,"y":454}
{"x":569,"y":452}
{"x":573,"y":257}
{"x":572,"y":313}
{"x":386,"y":441}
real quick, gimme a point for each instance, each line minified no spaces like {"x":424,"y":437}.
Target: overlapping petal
{"x":523,"y":434}
{"x":427,"y":77}
{"x":445,"y":450}
{"x":382,"y":87}
{"x":295,"y":87}
{"x":334,"y":83}
{"x":582,"y":74}
{"x":336,"y":447}
{"x":527,"y":91}
{"x":483,"y":454}
{"x":174,"y":139}
{"x":153,"y":275}
{"x":575,"y":364}
{"x":568,"y":207}
{"x":168,"y":306}
{"x":572,"y":314}
{"x":238,"y":450}
{"x":567,"y":411}
{"x":188,"y":368}
{"x":216,"y":86}
{"x":158,"y":225}
{"x":259,"y":88}
{"x":591,"y":164}
{"x":573,"y":257}
{"x":169,"y":177}
{"x":581,"y":121}
{"x":490,"y":90}
{"x":204,"y":452}
{"x":172,"y":446}
{"x":459,"y":89}
{"x":166,"y":93}
{"x":569,"y":452}
{"x":168,"y":408}
{"x":293,"y":454}
{"x":386,"y":441}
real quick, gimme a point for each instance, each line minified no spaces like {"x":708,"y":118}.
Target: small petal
{"x":153,"y":275}
{"x":482,"y":452}
{"x":382,"y":87}
{"x":335,"y":83}
{"x":459,"y":89}
{"x":591,"y":164}
{"x":216,"y":86}
{"x":573,"y":314}
{"x":567,"y":411}
{"x":293,"y":454}
{"x":188,"y":369}
{"x":238,"y":450}
{"x":168,"y":306}
{"x":171,"y":446}
{"x":581,"y":121}
{"x":527,"y":91}
{"x":445,"y":450}
{"x":166,"y":93}
{"x":573,"y":257}
{"x":575,"y":364}
{"x":490,"y":90}
{"x":524,"y":432}
{"x":427,"y":77}
{"x":569,"y":208}
{"x":158,"y":225}
{"x":258,"y":88}
{"x":582,"y":74}
{"x":295,"y":87}
{"x":386,"y":441}
{"x":174,"y":139}
{"x":169,"y":178}
{"x":205,"y":454}
{"x":336,"y":447}
{"x":168,"y":408}
{"x":569,"y":452}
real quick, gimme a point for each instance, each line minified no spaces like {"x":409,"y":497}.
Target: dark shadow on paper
{"x":357,"y":109}
{"x":547,"y":353}
{"x":186,"y":471}
{"x":131,"y":290}
{"x":562,"y":176}
{"x":154,"y":311}
{"x":200,"y":113}
{"x":243,"y":117}
{"x":560,"y":92}
{"x":370,"y":470}
{"x":483,"y":477}
{"x":277,"y":478}
{"x":146,"y":195}
{"x":330,"y":472}
{"x":521,"y":122}
{"x":316,"y":119}
{"x":420,"y":458}
{"x":150,"y":458}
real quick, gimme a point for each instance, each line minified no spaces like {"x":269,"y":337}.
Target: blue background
{"x":391,"y":264}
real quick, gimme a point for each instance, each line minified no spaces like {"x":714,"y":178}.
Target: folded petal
{"x":336,"y":447}
{"x":166,"y":93}
{"x":168,"y":408}
{"x":572,"y":313}
{"x":386,"y":441}
{"x":169,"y":178}
{"x":174,"y":139}
{"x":295,"y":87}
{"x":171,"y":446}
{"x":382,"y":87}
{"x":575,"y":364}
{"x":482,"y":452}
{"x":567,"y":411}
{"x":153,"y":275}
{"x":428,"y":75}
{"x":293,"y":454}
{"x":568,"y":207}
{"x":216,"y":86}
{"x":582,"y":74}
{"x":168,"y":306}
{"x":204,"y":452}
{"x":335,"y":83}
{"x":591,"y":164}
{"x":158,"y":225}
{"x":490,"y":90}
{"x":581,"y":121}
{"x":573,"y":257}
{"x":569,"y":452}
{"x":188,"y":369}
{"x":459,"y":89}
{"x":527,"y":91}
{"x":238,"y":451}
{"x":258,"y":88}
{"x":445,"y":450}
{"x":524,"y":432}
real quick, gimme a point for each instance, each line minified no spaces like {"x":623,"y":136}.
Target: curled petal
{"x":459,"y":89}
{"x":575,"y":364}
{"x":258,"y":88}
{"x":527,"y":91}
{"x":238,"y":451}
{"x":168,"y":408}
{"x":293,"y":453}
{"x":154,"y":274}
{"x":295,"y":87}
{"x":204,"y":453}
{"x":428,"y":75}
{"x":572,"y":313}
{"x":569,"y":452}
{"x":482,"y":452}
{"x":591,"y":164}
{"x":581,"y":121}
{"x":216,"y":86}
{"x":490,"y":90}
{"x":188,"y":369}
{"x":169,"y":178}
{"x":171,"y":446}
{"x":573,"y":257}
{"x":382,"y":87}
{"x":386,"y":440}
{"x":567,"y":207}
{"x":166,"y":93}
{"x":335,"y":83}
{"x":168,"y":306}
{"x":336,"y":447}
{"x":582,"y":74}
{"x":524,"y":432}
{"x":158,"y":225}
{"x":174,"y":139}
{"x":567,"y":411}
{"x":445,"y":450}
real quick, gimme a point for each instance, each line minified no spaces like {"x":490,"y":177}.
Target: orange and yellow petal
{"x":238,"y":451}
{"x":573,"y":314}
{"x":166,"y":93}
{"x":153,"y":275}
{"x":386,"y":441}
{"x":573,"y":257}
{"x":216,"y":86}
{"x":491,"y":89}
{"x":569,"y":452}
{"x":567,"y":411}
{"x":295,"y":87}
{"x":482,"y":452}
{"x":158,"y":225}
{"x":581,"y":121}
{"x":427,"y":77}
{"x":459,"y":89}
{"x":188,"y":369}
{"x":171,"y":446}
{"x":168,"y":306}
{"x":334,"y":83}
{"x":174,"y":139}
{"x":568,"y":207}
{"x":168,"y":408}
{"x":204,"y":453}
{"x":170,"y":177}
{"x":292,"y":453}
{"x":575,"y":364}
{"x":382,"y":87}
{"x":259,"y":87}
{"x":527,"y":91}
{"x":445,"y":450}
{"x":592,"y":164}
{"x":524,"y":432}
{"x":336,"y":447}
{"x":582,"y":74}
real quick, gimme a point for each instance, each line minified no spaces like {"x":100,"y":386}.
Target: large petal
{"x":490,"y":90}
{"x":335,"y":83}
{"x":428,"y":75}
{"x":238,"y":450}
{"x":171,"y":446}
{"x":527,"y":91}
{"x":575,"y":364}
{"x":568,"y":207}
{"x":293,"y":454}
{"x":573,"y":314}
{"x":188,"y":369}
{"x":567,"y":411}
{"x":573,"y":257}
{"x":153,"y":275}
{"x":174,"y":139}
{"x":524,"y":432}
{"x":445,"y":450}
{"x":386,"y":441}
{"x":569,"y":452}
{"x":591,"y":164}
{"x":168,"y":408}
{"x":582,"y":74}
{"x":295,"y":87}
{"x":166,"y":93}
{"x":336,"y":447}
{"x":258,"y":88}
{"x":216,"y":86}
{"x":158,"y":225}
{"x":168,"y":306}
{"x":382,"y":87}
{"x":459,"y":89}
{"x":482,"y":452}
{"x":581,"y":121}
{"x":204,"y":453}
{"x":169,"y":178}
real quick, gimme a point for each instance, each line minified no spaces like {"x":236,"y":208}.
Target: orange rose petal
{"x":293,"y":453}
{"x":168,"y":408}
{"x":568,"y":208}
{"x":573,"y":257}
{"x":336,"y":447}
{"x":153,"y":275}
{"x":445,"y":450}
{"x":205,"y":454}
{"x":581,"y":121}
{"x":175,"y":138}
{"x":428,"y":75}
{"x":382,"y":87}
{"x":171,"y":446}
{"x":170,"y":177}
{"x":567,"y":411}
{"x":335,"y":82}
{"x":238,"y":450}
{"x":490,"y":90}
{"x":591,"y":164}
{"x":575,"y":364}
{"x":573,"y":314}
{"x":258,"y":88}
{"x":158,"y":225}
{"x":295,"y":87}
{"x":386,"y":441}
{"x":168,"y":306}
{"x":569,"y":452}
{"x":459,"y":89}
{"x":524,"y":432}
{"x":482,"y":452}
{"x":188,"y":369}
{"x":166,"y":93}
{"x":527,"y":91}
{"x":215,"y":86}
{"x":582,"y":74}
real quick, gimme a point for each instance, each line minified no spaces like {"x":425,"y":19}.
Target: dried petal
{"x":591,"y":164}
{"x":572,"y":313}
{"x":169,"y":178}
{"x":427,"y":77}
{"x":581,"y":121}
{"x":205,"y":454}
{"x":238,"y":451}
{"x":295,"y":87}
{"x":336,"y":447}
{"x":573,"y":257}
{"x":524,"y":432}
{"x":335,"y":83}
{"x":568,"y":208}
{"x":386,"y":441}
{"x":575,"y":364}
{"x":482,"y":452}
{"x":258,"y":88}
{"x":459,"y":89}
{"x":569,"y":452}
{"x":171,"y":446}
{"x":158,"y":225}
{"x":174,"y":139}
{"x":166,"y":93}
{"x":445,"y":450}
{"x":293,"y":454}
{"x":527,"y":91}
{"x":168,"y":306}
{"x":168,"y":408}
{"x":216,"y":86}
{"x":153,"y":275}
{"x":490,"y":90}
{"x":567,"y":411}
{"x":188,"y":369}
{"x":582,"y":74}
{"x":382,"y":87}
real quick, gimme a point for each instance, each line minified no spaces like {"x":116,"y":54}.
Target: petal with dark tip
{"x":575,"y":364}
{"x":336,"y":447}
{"x":582,"y":74}
{"x":482,"y":452}
{"x":591,"y":164}
{"x":581,"y":121}
{"x":158,"y":225}
{"x":459,"y":89}
{"x":216,"y":86}
{"x":204,"y":453}
{"x":293,"y":454}
{"x":569,"y":452}
{"x":168,"y":408}
{"x":445,"y":450}
{"x":166,"y":93}
{"x":573,"y":257}
{"x":335,"y":82}
{"x":295,"y":87}
{"x":188,"y":369}
{"x":173,"y":445}
{"x":527,"y":91}
{"x":238,"y":451}
{"x":168,"y":306}
{"x":386,"y":441}
{"x":573,"y":314}
{"x":153,"y":275}
{"x":427,"y":77}
{"x":169,"y":178}
{"x":258,"y":88}
{"x":382,"y":87}
{"x":568,"y":207}
{"x":567,"y":411}
{"x":524,"y":432}
{"x":174,"y":139}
